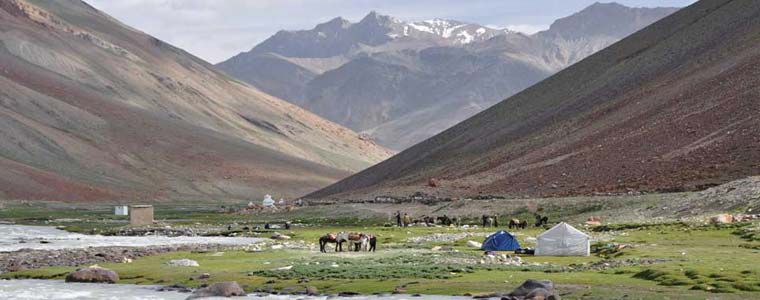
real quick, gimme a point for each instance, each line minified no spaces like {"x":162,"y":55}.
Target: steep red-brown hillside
{"x":675,"y":106}
{"x":93,"y":110}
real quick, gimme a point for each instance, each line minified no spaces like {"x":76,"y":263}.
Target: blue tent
{"x":501,"y":241}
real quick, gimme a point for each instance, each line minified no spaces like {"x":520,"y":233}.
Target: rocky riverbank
{"x":33,"y":259}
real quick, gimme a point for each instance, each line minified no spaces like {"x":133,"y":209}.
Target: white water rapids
{"x":55,"y":289}
{"x":17,"y":237}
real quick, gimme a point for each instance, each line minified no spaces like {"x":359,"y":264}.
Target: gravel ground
{"x":34,"y":259}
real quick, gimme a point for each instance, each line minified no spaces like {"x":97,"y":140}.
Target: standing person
{"x":407,"y":220}
{"x":398,"y":218}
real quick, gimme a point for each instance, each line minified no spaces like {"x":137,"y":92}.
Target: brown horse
{"x":516,"y":223}
{"x":337,"y":239}
{"x":357,"y":239}
{"x":492,"y":221}
{"x":372,"y":243}
{"x":367,"y":242}
{"x":541,"y":220}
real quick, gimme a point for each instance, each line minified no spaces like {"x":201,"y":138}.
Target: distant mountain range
{"x":403,"y":82}
{"x":673,"y":107}
{"x":92,"y":110}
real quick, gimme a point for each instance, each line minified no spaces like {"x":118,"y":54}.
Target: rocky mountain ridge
{"x":402,"y":82}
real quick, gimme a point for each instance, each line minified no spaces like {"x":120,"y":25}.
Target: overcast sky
{"x":218,"y":29}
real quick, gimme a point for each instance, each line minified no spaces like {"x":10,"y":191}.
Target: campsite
{"x":635,"y":257}
{"x":379,"y":149}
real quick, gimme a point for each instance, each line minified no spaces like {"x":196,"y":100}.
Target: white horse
{"x":357,"y":241}
{"x":364,"y":246}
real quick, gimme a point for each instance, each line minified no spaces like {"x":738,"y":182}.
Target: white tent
{"x":563,"y":240}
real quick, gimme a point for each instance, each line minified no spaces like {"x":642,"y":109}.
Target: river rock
{"x":474,"y":244}
{"x":533,"y":290}
{"x":219,"y":289}
{"x":542,"y":294}
{"x":183,"y":263}
{"x":312,"y":291}
{"x":93,"y":274}
{"x":176,"y":288}
{"x":280,"y":236}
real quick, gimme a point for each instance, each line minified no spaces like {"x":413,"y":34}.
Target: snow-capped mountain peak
{"x":455,"y":31}
{"x":340,"y":36}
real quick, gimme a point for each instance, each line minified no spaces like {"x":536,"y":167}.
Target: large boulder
{"x":93,"y":274}
{"x":183,"y":263}
{"x":722,"y":219}
{"x":534,"y":290}
{"x":219,"y":289}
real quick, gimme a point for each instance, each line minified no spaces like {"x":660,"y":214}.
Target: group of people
{"x":404,"y":221}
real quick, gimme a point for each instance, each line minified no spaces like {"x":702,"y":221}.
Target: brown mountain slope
{"x":675,"y":106}
{"x":93,"y":110}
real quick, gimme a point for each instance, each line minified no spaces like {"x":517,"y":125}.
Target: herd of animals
{"x":358,"y":241}
{"x":493,"y":221}
{"x":355,"y":241}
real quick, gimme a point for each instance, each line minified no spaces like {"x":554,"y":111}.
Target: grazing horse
{"x":372,"y":243}
{"x":337,"y":239}
{"x":515,"y":223}
{"x":492,"y":221}
{"x":541,"y":220}
{"x":428,"y":220}
{"x":357,"y":240}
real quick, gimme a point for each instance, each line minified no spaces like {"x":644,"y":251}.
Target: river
{"x":56,"y":289}
{"x":17,"y":237}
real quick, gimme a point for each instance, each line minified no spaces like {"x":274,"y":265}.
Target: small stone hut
{"x":140,"y":215}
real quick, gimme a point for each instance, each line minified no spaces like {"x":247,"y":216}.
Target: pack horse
{"x":356,"y":241}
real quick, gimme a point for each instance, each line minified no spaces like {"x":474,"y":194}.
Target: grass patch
{"x":636,"y":226}
{"x":748,"y":232}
